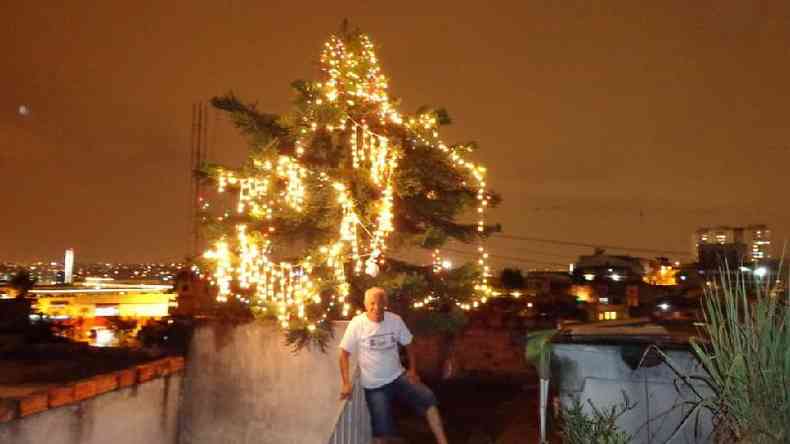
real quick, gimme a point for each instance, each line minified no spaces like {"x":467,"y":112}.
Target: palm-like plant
{"x":539,"y":354}
{"x":747,"y":359}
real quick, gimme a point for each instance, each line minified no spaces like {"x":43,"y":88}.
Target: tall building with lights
{"x":759,"y":241}
{"x":751,"y":243}
{"x":68,"y":267}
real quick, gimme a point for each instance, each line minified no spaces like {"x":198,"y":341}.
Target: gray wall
{"x":598,"y":373}
{"x":144,"y":413}
{"x":243,"y":385}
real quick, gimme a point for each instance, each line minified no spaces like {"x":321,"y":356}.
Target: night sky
{"x":623,"y":123}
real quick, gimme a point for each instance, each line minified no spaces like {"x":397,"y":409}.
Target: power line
{"x":543,"y":253}
{"x":581,"y":244}
{"x":566,"y":256}
{"x":510,"y":258}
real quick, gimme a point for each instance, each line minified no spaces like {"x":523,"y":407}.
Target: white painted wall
{"x":598,"y":373}
{"x":244,"y":386}
{"x":145,"y":413}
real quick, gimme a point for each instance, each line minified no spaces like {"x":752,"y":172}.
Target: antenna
{"x":198,"y":151}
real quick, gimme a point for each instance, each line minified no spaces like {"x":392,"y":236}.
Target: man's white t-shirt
{"x":377,"y":347}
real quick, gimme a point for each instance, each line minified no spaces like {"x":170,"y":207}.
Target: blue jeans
{"x":418,"y":397}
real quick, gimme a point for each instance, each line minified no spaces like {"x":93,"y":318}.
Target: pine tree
{"x":333,"y":191}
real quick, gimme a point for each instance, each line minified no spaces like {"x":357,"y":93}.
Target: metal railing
{"x":353,"y":422}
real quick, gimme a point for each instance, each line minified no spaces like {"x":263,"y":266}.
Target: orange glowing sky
{"x":620,"y":123}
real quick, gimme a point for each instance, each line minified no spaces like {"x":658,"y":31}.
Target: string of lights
{"x":354,"y":93}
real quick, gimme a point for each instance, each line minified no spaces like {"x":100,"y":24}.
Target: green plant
{"x":437,"y":322}
{"x":598,"y":428}
{"x":747,"y":360}
{"x":298,"y":339}
{"x":332,"y":190}
{"x":538,"y":351}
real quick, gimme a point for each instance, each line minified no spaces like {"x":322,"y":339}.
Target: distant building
{"x":759,"y":243}
{"x":104,"y":299}
{"x":736,"y":245}
{"x":606,"y":267}
{"x":677,"y":307}
{"x":545,"y":284}
{"x":68,"y":267}
{"x":611,"y":284}
{"x":660,"y":271}
{"x":715,"y":256}
{"x":101,"y":312}
{"x":606,"y":312}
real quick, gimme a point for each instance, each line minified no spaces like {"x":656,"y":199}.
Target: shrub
{"x":747,"y":360}
{"x":598,"y":428}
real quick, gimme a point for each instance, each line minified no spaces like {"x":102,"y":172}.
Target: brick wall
{"x":479,"y":351}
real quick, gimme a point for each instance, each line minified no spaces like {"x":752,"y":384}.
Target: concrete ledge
{"x":105,"y":383}
{"x":145,"y":372}
{"x":126,"y":377}
{"x":74,"y":392}
{"x":33,"y":403}
{"x":8,"y":410}
{"x":176,"y":364}
{"x":84,"y":389}
{"x":162,"y":366}
{"x":62,"y":395}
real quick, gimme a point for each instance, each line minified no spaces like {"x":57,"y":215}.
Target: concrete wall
{"x":599,"y":373}
{"x":142,"y":412}
{"x":243,"y":385}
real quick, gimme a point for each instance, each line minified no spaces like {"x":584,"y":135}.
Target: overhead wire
{"x":588,"y":245}
{"x":510,"y":258}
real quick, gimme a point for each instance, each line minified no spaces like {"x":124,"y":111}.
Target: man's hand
{"x":345,"y":391}
{"x":412,"y":376}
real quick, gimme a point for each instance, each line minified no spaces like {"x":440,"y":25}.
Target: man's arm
{"x":345,"y":388}
{"x":411,"y":373}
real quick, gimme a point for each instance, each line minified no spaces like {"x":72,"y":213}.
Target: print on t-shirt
{"x":381,"y":342}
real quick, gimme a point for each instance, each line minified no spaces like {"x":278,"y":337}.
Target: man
{"x":375,"y":336}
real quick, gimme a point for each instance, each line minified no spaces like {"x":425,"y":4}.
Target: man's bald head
{"x":375,"y":302}
{"x":375,"y":292}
